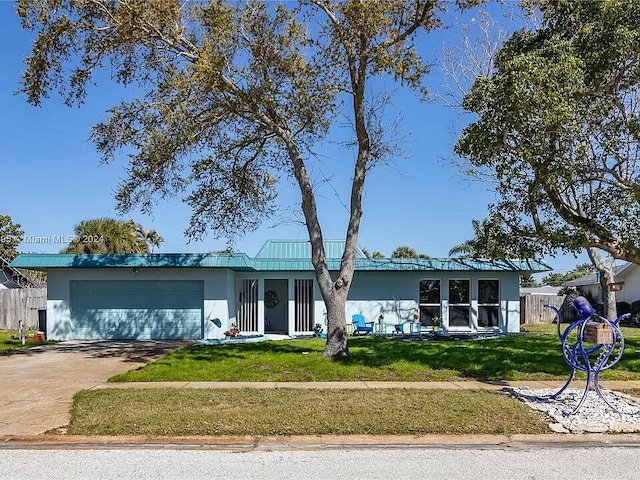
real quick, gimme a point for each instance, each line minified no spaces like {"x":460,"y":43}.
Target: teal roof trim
{"x":241,"y":262}
{"x":451,"y":264}
{"x":403,"y":264}
{"x":233,"y":261}
{"x":301,"y":249}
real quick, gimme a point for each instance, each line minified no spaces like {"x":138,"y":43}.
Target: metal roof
{"x":289,"y":261}
{"x":233,"y":261}
{"x":593,"y":278}
{"x":301,"y":249}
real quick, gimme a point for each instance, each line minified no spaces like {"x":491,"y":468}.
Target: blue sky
{"x":52,"y":177}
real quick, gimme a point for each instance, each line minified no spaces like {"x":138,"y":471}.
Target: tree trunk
{"x":604,"y":266}
{"x":336,"y":345}
{"x":334,"y":293}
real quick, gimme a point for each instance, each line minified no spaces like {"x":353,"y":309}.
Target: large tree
{"x":10,"y":237}
{"x":112,"y":235}
{"x":234,"y":94}
{"x":558,"y":130}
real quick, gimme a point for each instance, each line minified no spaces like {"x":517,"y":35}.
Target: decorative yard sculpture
{"x":604,"y":347}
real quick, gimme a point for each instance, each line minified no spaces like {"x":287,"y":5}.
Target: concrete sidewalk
{"x":318,"y":442}
{"x":464,"y":385}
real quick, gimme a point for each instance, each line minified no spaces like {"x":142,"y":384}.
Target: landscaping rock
{"x":558,"y":428}
{"x":595,"y":416}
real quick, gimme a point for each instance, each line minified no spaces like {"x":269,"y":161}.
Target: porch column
{"x":260,"y":306}
{"x":292,"y":307}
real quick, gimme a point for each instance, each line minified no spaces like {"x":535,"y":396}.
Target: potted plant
{"x":233,"y":331}
{"x":416,"y":317}
{"x":317,"y":330}
{"x":437,"y":321}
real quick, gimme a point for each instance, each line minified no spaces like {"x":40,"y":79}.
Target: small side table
{"x":415,"y":327}
{"x":380,"y":328}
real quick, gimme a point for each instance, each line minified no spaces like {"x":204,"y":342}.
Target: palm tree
{"x":487,"y":243}
{"x":149,"y":236}
{"x":407,"y":252}
{"x":110,"y":235}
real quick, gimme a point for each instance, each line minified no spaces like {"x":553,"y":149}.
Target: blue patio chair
{"x":360,"y":325}
{"x":399,"y":328}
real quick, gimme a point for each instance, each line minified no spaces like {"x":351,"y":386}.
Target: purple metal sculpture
{"x":591,"y":359}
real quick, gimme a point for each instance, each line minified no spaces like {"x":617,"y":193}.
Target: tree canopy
{"x":555,"y":279}
{"x":111,"y":235}
{"x":558,"y":129}
{"x":493,"y":240}
{"x":235,"y":95}
{"x":10,"y":237}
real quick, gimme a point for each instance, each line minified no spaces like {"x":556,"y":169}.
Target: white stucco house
{"x":163,"y":296}
{"x":626,"y":283}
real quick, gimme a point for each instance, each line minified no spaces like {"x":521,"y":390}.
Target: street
{"x":536,"y":463}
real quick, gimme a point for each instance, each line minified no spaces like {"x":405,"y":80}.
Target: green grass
{"x":7,"y":343}
{"x":534,"y":356}
{"x":179,"y":412}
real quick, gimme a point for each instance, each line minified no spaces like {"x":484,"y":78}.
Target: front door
{"x":276,"y":306}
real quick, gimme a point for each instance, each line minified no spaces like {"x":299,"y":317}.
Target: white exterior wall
{"x":396,"y":296}
{"x":58,"y":301}
{"x":392,"y":294}
{"x":631,"y":291}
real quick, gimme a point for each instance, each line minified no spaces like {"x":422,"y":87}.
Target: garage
{"x":136,"y":309}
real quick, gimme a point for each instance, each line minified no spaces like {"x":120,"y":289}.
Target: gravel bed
{"x":595,"y":416}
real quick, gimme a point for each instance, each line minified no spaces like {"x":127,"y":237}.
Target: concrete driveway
{"x":37,"y":385}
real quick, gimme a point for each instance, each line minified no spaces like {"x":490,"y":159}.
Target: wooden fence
{"x":533,"y":310}
{"x":16,"y":303}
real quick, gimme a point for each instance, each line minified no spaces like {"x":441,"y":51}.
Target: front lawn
{"x":533,"y":356}
{"x":8,"y":343}
{"x":176,"y":412}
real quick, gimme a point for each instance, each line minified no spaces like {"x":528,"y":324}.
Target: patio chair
{"x":398,"y":328}
{"x":360,"y":325}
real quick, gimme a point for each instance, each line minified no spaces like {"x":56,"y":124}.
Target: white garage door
{"x":105,"y":309}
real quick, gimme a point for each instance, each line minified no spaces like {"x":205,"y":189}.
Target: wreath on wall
{"x":271,"y":298}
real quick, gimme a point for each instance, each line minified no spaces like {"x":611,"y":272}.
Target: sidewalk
{"x":29,"y":440}
{"x":464,"y":385}
{"x":318,"y":442}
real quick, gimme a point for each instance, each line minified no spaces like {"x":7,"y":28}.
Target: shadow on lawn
{"x":495,"y":359}
{"x":490,"y":359}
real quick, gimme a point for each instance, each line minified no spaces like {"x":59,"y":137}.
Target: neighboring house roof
{"x":543,"y":290}
{"x":266,"y":260}
{"x":592,"y":278}
{"x":11,"y":277}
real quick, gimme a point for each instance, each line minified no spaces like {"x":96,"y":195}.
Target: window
{"x":459,"y":303}
{"x":304,"y":305}
{"x":429,"y":301}
{"x":488,"y":303}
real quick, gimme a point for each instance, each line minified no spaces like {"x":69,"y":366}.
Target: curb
{"x":320,"y":442}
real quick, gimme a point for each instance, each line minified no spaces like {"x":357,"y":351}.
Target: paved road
{"x":37,"y":385}
{"x":371,"y":464}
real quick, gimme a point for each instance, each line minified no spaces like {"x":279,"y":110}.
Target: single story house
{"x":163,"y":296}
{"x":626,"y":283}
